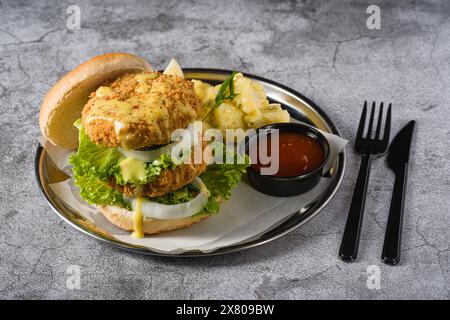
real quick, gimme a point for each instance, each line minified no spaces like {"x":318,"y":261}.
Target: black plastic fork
{"x":370,"y":147}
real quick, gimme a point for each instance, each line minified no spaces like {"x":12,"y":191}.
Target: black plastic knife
{"x":398,"y":158}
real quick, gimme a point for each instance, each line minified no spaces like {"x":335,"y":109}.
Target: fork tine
{"x":380,"y":117}
{"x":387,"y":128}
{"x":362,"y":121}
{"x":372,"y":114}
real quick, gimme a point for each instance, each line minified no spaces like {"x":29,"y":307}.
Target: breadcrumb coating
{"x":140,"y":110}
{"x":169,"y":180}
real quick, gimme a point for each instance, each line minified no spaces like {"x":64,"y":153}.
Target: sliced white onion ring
{"x":156,"y":210}
{"x":187,"y":137}
{"x":147,"y":155}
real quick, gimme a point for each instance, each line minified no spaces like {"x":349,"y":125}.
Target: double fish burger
{"x":134,"y":161}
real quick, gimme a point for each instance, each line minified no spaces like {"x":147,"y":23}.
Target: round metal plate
{"x":299,"y":107}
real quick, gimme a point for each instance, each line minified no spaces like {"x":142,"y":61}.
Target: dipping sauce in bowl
{"x":299,"y":153}
{"x":297,"y":165}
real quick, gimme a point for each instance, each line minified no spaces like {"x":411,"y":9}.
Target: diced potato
{"x":261,"y":94}
{"x":274,"y":106}
{"x":204,"y":91}
{"x":228,"y":116}
{"x":255,"y":121}
{"x":277,"y":116}
{"x":248,"y":98}
{"x":267,"y":117}
{"x":207,"y":94}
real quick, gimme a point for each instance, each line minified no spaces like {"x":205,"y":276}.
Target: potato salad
{"x":245,"y":107}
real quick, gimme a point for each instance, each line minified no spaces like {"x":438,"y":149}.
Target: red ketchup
{"x":298,"y":154}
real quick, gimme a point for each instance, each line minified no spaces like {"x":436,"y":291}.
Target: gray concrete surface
{"x":320,"y":48}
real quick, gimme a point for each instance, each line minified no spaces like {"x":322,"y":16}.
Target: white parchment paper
{"x":246,"y":215}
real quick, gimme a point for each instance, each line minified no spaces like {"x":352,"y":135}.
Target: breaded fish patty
{"x":140,"y":110}
{"x":169,"y":180}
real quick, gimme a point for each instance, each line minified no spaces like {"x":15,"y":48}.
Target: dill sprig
{"x":226,"y":92}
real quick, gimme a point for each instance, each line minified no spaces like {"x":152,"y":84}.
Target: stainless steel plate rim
{"x":296,"y":219}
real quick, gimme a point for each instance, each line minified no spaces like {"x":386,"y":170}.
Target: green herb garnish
{"x":226,"y":92}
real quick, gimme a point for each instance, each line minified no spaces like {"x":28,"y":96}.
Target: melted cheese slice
{"x":132,"y":169}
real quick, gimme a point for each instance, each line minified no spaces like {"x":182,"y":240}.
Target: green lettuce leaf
{"x":220,"y":179}
{"x":154,"y":169}
{"x":211,"y":207}
{"x":102,"y":163}
{"x":185,"y":194}
{"x":95,"y":191}
{"x":94,"y":160}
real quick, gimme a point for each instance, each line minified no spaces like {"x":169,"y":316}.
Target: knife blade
{"x":398,"y":153}
{"x":397,"y":159}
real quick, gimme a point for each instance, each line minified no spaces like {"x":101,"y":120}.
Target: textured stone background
{"x":320,"y":48}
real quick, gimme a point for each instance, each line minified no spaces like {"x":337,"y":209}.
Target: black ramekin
{"x":286,"y":186}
